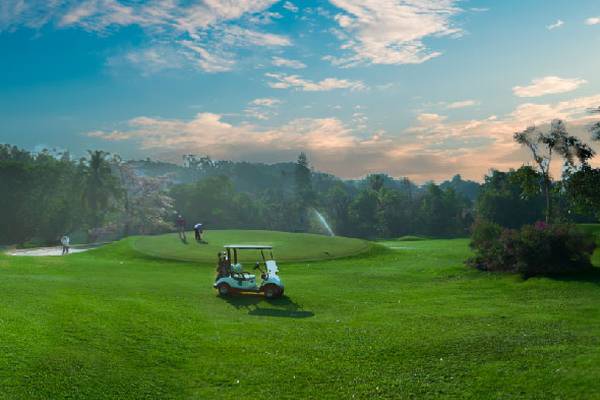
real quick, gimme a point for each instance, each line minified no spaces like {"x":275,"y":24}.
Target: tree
{"x":511,"y":199}
{"x":441,"y":212}
{"x":583,"y":187}
{"x":595,"y":128}
{"x":146,"y":207}
{"x":376,"y":181}
{"x":544,"y":145}
{"x":100,"y":187}
{"x":363,"y":213}
{"x":395,"y":213}
{"x":337,"y":202}
{"x":305,"y":196}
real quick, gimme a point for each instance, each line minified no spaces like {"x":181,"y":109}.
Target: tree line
{"x":101,"y":196}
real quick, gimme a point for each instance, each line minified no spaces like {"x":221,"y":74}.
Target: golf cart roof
{"x":247,"y":247}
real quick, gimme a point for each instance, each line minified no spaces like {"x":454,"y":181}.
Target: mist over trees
{"x":100,"y":196}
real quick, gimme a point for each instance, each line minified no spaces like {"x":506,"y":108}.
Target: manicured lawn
{"x":406,"y":319}
{"x":288,"y":246}
{"x":591,"y":228}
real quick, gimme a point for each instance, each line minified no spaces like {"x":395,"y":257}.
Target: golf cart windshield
{"x":232,"y":251}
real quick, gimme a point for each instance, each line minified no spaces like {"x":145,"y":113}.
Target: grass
{"x":403,"y":320}
{"x":287,"y":246}
{"x":591,"y":228}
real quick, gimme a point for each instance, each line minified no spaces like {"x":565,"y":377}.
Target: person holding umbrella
{"x":198,"y":231}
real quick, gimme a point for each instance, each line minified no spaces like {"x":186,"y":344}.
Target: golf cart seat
{"x":243,"y":276}
{"x":237,"y":272}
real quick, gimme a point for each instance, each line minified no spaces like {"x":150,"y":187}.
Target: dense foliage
{"x":47,"y":195}
{"x":538,"y":249}
{"x":374,"y":211}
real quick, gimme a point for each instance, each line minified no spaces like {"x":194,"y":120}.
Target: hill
{"x":288,"y":247}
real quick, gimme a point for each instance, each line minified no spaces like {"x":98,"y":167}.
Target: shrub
{"x":538,"y":249}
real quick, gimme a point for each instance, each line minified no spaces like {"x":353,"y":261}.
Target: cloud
{"x":593,"y":21}
{"x":150,"y":60}
{"x":429,"y":149}
{"x":473,"y":146}
{"x":205,"y":60}
{"x":267,"y":102}
{"x":262,"y":108}
{"x":555,"y":25}
{"x":288,"y":5}
{"x":392,"y":31}
{"x":548,"y":85}
{"x":284,"y":62}
{"x":208,"y":133}
{"x":461,"y":104}
{"x":236,"y":36}
{"x":283,"y":81}
{"x":208,"y":30}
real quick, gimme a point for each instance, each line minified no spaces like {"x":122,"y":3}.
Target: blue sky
{"x":418,"y":88}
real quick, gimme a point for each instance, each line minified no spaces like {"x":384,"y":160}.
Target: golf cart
{"x":234,"y":279}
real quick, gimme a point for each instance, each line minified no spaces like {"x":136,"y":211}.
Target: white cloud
{"x":284,"y":62}
{"x":208,"y":62}
{"x":462,"y":104}
{"x":262,"y":108}
{"x":427,"y":150}
{"x":236,"y":36}
{"x":471,"y":147}
{"x":208,"y":133}
{"x":266,"y":101}
{"x":392,"y":31}
{"x":211,"y":29}
{"x":283,"y":81}
{"x":429,"y":118}
{"x":149,"y":60}
{"x":555,"y":25}
{"x":548,"y":85}
{"x":288,"y":5}
{"x":593,"y":21}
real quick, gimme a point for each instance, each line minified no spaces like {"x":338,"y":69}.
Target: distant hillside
{"x":257,"y":177}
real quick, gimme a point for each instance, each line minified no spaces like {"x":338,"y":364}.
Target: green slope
{"x":287,"y":246}
{"x":406,"y":321}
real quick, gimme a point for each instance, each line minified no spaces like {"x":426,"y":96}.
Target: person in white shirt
{"x":198,"y":231}
{"x":65,"y":241}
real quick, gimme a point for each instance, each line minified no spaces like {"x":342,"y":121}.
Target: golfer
{"x":222,"y":265}
{"x":180,"y":223}
{"x":65,"y":241}
{"x":198,"y":231}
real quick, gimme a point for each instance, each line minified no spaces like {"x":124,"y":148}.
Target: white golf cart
{"x":233,"y":278}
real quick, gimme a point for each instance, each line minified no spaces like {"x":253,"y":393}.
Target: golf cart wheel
{"x":272,"y":291}
{"x":224,"y":289}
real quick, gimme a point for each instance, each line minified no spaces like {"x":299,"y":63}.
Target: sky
{"x":418,"y":88}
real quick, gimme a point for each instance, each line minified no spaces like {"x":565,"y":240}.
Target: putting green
{"x":286,"y":246}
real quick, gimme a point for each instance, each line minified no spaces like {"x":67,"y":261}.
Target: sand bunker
{"x":46,"y":251}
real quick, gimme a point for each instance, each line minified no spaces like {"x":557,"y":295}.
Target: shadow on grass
{"x":255,"y":304}
{"x":592,"y":276}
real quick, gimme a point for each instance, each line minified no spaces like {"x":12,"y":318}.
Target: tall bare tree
{"x":595,"y":128}
{"x":545,"y":145}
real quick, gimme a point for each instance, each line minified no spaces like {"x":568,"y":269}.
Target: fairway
{"x":287,"y":246}
{"x":405,"y":319}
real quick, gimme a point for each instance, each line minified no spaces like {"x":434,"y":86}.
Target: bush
{"x":538,"y":249}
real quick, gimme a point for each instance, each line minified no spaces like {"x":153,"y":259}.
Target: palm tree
{"x":100,"y":186}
